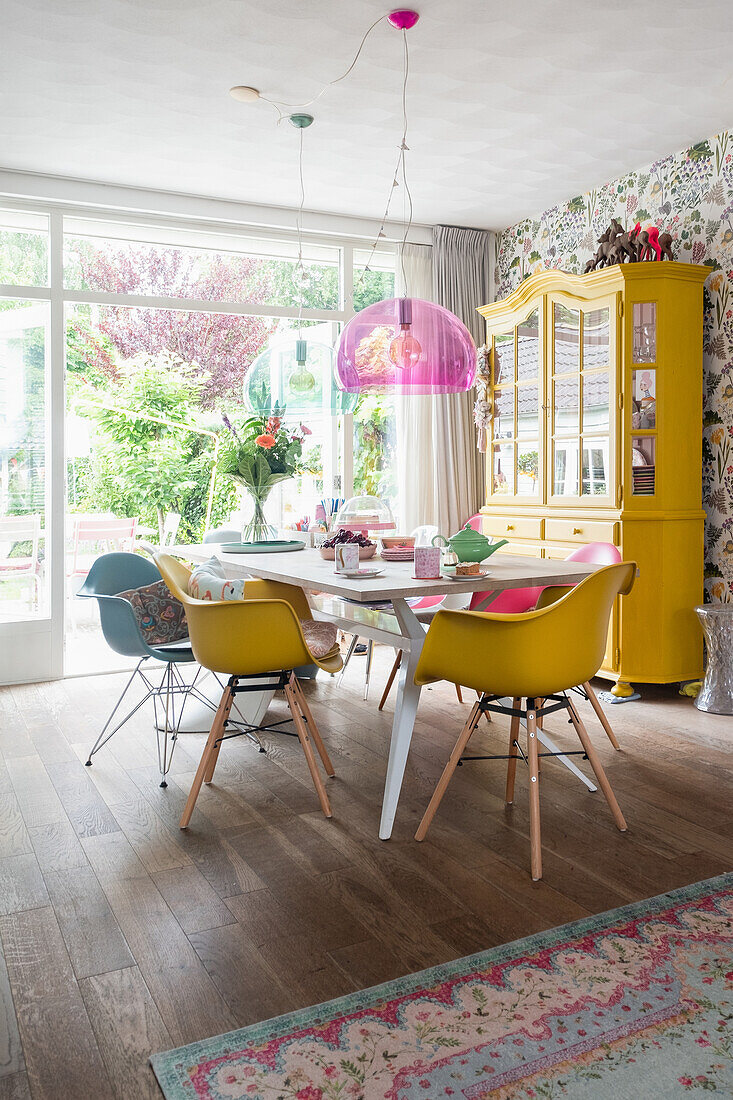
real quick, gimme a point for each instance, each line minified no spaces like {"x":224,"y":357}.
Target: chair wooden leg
{"x":455,"y":756}
{"x":313,"y":728}
{"x":487,"y":713}
{"x":511,"y":770}
{"x":600,"y":714}
{"x":597,"y":767}
{"x":535,"y":840}
{"x":390,"y":680}
{"x":304,"y":738}
{"x":210,"y":753}
{"x":215,"y":749}
{"x":458,"y":693}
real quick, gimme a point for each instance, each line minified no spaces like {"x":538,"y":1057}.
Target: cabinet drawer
{"x":513,"y":527}
{"x":580,"y":530}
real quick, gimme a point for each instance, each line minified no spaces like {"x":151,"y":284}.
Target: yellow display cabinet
{"x":596,"y":436}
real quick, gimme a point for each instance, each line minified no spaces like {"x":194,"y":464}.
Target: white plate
{"x":467,"y":576}
{"x":362,"y":574}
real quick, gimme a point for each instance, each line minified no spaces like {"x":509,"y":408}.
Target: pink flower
{"x":330,"y":1071}
{"x":702,"y":1042}
{"x":310,"y":1092}
{"x":686,"y":1081}
{"x":423,"y":1016}
{"x":424,"y":1084}
{"x":305,"y":431}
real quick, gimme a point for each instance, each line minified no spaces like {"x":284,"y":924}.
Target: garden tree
{"x":319,"y":285}
{"x":140,"y":467}
{"x":221,"y":347}
{"x":24,"y":258}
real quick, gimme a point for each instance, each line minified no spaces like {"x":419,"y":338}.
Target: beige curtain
{"x":461,"y":282}
{"x":440,"y":470}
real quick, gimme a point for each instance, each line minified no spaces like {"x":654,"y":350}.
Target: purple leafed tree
{"x":223,"y":346}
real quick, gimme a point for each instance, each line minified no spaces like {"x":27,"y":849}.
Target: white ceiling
{"x":513,"y":107}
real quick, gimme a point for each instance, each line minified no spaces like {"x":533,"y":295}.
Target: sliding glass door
{"x":30,"y":642}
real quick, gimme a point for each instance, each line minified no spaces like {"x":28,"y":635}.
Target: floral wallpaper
{"x":689,"y":194}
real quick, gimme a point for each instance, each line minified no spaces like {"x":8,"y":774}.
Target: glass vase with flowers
{"x":257,"y":455}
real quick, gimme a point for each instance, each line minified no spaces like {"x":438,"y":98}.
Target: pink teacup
{"x":427,"y":562}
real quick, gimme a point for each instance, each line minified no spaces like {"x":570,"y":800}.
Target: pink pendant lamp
{"x":406,"y":345}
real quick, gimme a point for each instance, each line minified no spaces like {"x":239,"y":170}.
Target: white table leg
{"x":550,"y":744}
{"x":408,"y":697}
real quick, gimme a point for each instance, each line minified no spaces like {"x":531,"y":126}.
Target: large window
{"x":159,"y":322}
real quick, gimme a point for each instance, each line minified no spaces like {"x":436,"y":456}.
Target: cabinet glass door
{"x":516,"y":426}
{"x":580,"y":411}
{"x":643,"y":445}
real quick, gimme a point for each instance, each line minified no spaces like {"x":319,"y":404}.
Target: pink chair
{"x":515,"y":601}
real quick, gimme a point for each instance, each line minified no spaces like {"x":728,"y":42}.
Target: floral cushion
{"x":160,"y":616}
{"x":209,"y":582}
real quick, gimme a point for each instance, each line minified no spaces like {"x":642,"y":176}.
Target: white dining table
{"x":345,"y":601}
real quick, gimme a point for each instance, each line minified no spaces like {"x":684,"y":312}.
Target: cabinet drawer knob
{"x":577,"y":530}
{"x":510,"y":526}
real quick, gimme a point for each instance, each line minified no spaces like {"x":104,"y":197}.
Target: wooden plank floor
{"x":122,"y":935}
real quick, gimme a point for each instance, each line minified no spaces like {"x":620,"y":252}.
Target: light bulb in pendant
{"x":301,"y":381}
{"x":405,"y":350}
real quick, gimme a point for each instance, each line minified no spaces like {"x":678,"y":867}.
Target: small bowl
{"x":394,"y":542}
{"x":328,"y":553}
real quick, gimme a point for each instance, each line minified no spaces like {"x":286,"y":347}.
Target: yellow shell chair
{"x":537,"y":656}
{"x":247,"y":639}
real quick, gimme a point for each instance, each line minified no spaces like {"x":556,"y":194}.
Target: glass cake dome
{"x":365,"y":514}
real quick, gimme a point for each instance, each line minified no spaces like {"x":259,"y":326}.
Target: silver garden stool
{"x":716,"y":693}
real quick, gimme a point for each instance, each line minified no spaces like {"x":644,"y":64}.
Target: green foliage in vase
{"x":260,"y":452}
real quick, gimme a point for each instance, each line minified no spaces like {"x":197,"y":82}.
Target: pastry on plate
{"x":467,"y":569}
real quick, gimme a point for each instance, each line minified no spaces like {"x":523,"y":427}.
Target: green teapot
{"x":469,"y":545}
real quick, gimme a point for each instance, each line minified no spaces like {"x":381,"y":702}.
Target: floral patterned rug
{"x":635,"y":1003}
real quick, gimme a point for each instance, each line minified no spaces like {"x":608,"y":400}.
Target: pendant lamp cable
{"x":299,"y":268}
{"x":278,"y":104}
{"x":404,"y":148}
{"x":400,"y":170}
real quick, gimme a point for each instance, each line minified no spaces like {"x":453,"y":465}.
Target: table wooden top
{"x":310,"y":571}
